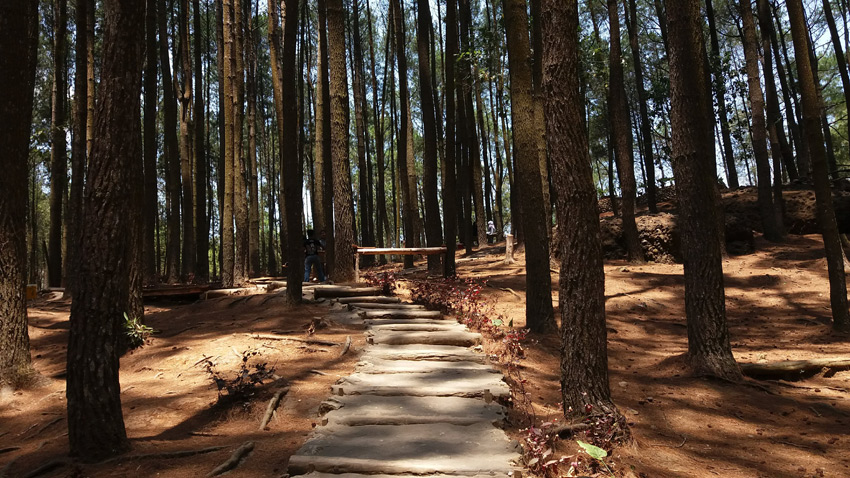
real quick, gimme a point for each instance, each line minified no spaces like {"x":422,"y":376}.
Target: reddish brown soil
{"x":778,"y":309}
{"x":170,"y":403}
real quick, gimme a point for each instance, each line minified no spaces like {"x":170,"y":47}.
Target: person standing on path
{"x":491,"y":232}
{"x":312,"y":247}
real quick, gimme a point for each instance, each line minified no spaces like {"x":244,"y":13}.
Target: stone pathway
{"x":421,"y":402}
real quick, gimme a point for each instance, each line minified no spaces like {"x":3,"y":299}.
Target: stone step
{"x":441,"y":383}
{"x":420,"y":366}
{"x":422,"y":352}
{"x":408,"y":449}
{"x":332,"y":291}
{"x":458,"y":338}
{"x":407,"y":326}
{"x":379,"y":306}
{"x":360,"y":410}
{"x":316,"y":474}
{"x":402,"y":314}
{"x":375,"y":299}
{"x":385,"y":321}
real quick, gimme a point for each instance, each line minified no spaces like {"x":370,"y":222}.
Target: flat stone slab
{"x":316,"y":474}
{"x":408,"y":449}
{"x":360,"y":410}
{"x":376,"y":299}
{"x":441,"y":383}
{"x":402,"y":314}
{"x":420,"y":366}
{"x":385,"y":321}
{"x":344,"y":291}
{"x":380,"y":306}
{"x":430,"y":326}
{"x":422,"y":352}
{"x":458,"y":337}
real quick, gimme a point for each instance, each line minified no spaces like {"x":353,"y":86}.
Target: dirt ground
{"x":778,"y":309}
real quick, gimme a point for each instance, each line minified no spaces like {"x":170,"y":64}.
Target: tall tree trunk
{"x":820,"y":175}
{"x":434,"y":236}
{"x":342,"y":213}
{"x":171,"y":149}
{"x":95,"y":421}
{"x":360,"y":129}
{"x":78,"y":142}
{"x":378,"y":116}
{"x":449,"y":189}
{"x":779,"y":148}
{"x":226,"y":46}
{"x":759,"y":125}
{"x":539,"y":315}
{"x":709,"y":350}
{"x":253,"y":193}
{"x":791,"y":163}
{"x":19,"y":34}
{"x":645,"y":125}
{"x":584,"y":357}
{"x":58,"y":153}
{"x":187,"y":269}
{"x":150,"y":207}
{"x":621,"y":132}
{"x":803,"y":152}
{"x":840,"y":59}
{"x":720,"y":94}
{"x":240,"y":164}
{"x":202,"y":221}
{"x":407,"y":195}
{"x":323,"y":216}
{"x":290,"y":166}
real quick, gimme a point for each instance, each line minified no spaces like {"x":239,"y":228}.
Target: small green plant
{"x":597,"y":454}
{"x":136,"y":333}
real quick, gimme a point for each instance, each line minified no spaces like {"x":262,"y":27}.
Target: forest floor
{"x":777,"y":306}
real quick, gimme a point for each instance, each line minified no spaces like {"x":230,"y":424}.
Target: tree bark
{"x":720,"y":94}
{"x":78,"y":142}
{"x":150,"y":207}
{"x":449,"y":189}
{"x":645,"y":124}
{"x":202,"y":221}
{"x":621,"y":133}
{"x":433,"y":235}
{"x":324,"y":215}
{"x":709,"y":350}
{"x":290,"y":166}
{"x":240,"y":164}
{"x":58,"y":153}
{"x":584,"y":357}
{"x":19,"y":34}
{"x":342,"y":211}
{"x":95,"y":421}
{"x":840,"y":59}
{"x":187,"y":264}
{"x":539,"y":314}
{"x":820,"y":175}
{"x":227,"y":142}
{"x":171,"y":152}
{"x":759,"y":126}
{"x":360,"y":112}
{"x":253,"y":191}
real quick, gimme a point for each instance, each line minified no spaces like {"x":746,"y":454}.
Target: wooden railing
{"x":395,"y":251}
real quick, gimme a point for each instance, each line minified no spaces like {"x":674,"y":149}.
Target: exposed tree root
{"x":235,"y":459}
{"x":273,"y":404}
{"x":346,"y":346}
{"x":45,"y":468}
{"x":294,"y":339}
{"x":165,"y":455}
{"x":794,"y":369}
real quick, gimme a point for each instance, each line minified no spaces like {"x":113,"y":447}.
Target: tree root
{"x":45,"y":468}
{"x":165,"y":455}
{"x":793,"y":369}
{"x":346,"y":346}
{"x":294,"y":339}
{"x":235,"y":459}
{"x":273,"y":404}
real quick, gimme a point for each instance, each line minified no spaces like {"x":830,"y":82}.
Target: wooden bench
{"x":396,"y":251}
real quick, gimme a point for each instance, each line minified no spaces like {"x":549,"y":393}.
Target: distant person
{"x":312,"y":247}
{"x":491,"y":232}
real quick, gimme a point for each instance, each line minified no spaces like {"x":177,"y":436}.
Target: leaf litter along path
{"x":777,"y":302}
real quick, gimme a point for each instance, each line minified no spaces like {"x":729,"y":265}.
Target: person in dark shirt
{"x":312,"y":248}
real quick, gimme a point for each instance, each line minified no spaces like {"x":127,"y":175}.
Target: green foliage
{"x":597,"y":454}
{"x":136,"y":333}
